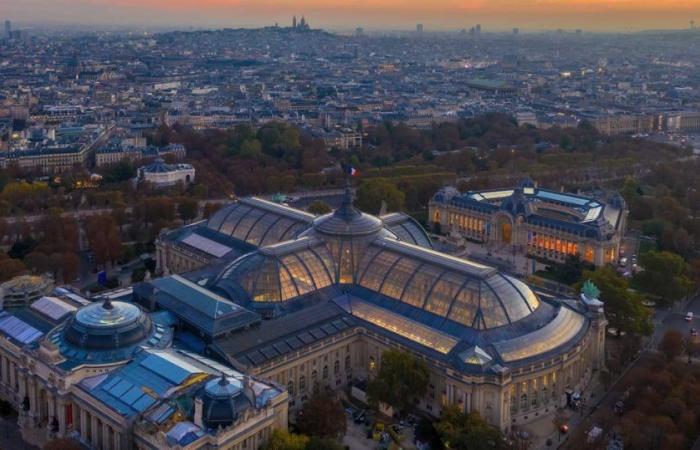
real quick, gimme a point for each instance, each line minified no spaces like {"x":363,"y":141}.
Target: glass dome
{"x":223,"y":400}
{"x":107,"y":325}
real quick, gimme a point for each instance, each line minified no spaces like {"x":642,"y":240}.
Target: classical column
{"x":83,"y":425}
{"x":117,"y":440}
{"x":4,"y":371}
{"x":94,"y":431}
{"x":106,"y":444}
{"x":61,"y":416}
{"x":32,"y":388}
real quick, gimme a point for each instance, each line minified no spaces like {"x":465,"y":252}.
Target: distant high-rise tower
{"x":419,"y":28}
{"x":478,"y":28}
{"x":359,"y":31}
{"x":294,"y":22}
{"x":516,"y":30}
{"x":8,"y":29}
{"x":692,"y":24}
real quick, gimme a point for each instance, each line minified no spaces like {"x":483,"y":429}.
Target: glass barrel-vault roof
{"x":472,"y":296}
{"x":563,"y":328}
{"x":404,"y":327}
{"x":279,"y":273}
{"x":259,"y":222}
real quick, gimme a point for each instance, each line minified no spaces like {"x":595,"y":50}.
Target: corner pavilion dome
{"x":223,"y":400}
{"x":107,"y":326}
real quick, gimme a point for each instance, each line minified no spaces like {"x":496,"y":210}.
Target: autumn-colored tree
{"x":323,"y":416}
{"x":319,"y":207}
{"x":10,"y":268}
{"x":671,"y":344}
{"x":187,"y":208}
{"x":104,"y":238}
{"x":62,"y":444}
{"x":210,"y":208}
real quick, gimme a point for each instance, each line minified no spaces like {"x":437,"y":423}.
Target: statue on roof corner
{"x":590,"y":296}
{"x":590,"y":290}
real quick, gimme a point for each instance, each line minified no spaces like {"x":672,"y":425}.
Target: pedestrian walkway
{"x":543,"y":431}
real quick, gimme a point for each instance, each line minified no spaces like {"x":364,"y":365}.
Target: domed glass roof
{"x":223,"y":399}
{"x":223,"y":387}
{"x":347,"y":220}
{"x":107,"y":325}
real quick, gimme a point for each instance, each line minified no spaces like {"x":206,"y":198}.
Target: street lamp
{"x":563,"y":430}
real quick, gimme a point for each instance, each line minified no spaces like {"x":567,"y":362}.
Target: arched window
{"x":314,"y":375}
{"x":302,"y":383}
{"x":545,"y":397}
{"x":513,"y":405}
{"x":523,"y":402}
{"x":290,"y":388}
{"x":347,"y":363}
{"x":372,"y":363}
{"x":325,"y":372}
{"x":336,"y":367}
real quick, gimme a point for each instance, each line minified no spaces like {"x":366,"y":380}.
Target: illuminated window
{"x":372,"y":363}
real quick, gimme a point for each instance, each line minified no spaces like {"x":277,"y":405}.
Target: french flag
{"x":352,"y":171}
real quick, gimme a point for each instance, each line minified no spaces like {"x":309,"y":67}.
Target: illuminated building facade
{"x":106,"y":373}
{"x":333,"y":292}
{"x":534,"y":221}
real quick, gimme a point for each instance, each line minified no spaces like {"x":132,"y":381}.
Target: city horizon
{"x":388,"y":15}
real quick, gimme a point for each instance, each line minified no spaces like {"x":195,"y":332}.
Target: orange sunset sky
{"x":624,"y":15}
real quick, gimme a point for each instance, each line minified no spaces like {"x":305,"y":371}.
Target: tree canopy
{"x":323,"y":416}
{"x":467,"y":431}
{"x":401,"y":381}
{"x":623,"y":307}
{"x":372,"y":192}
{"x":319,"y":207}
{"x":665,"y":275}
{"x":283,"y":440}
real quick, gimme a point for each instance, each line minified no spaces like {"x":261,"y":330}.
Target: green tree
{"x":372,"y":192}
{"x":317,"y":443}
{"x":283,"y":440}
{"x":319,"y":207}
{"x":402,"y":380}
{"x":187,"y":208}
{"x":462,"y":431}
{"x":250,"y":149}
{"x":323,"y":416}
{"x":623,"y":307}
{"x":665,"y":275}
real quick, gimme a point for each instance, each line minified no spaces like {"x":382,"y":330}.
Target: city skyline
{"x":499,"y":15}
